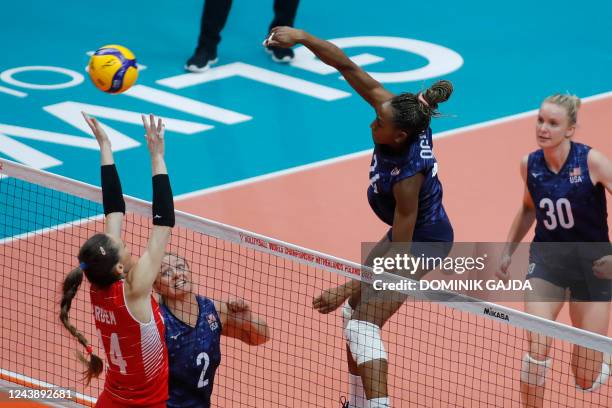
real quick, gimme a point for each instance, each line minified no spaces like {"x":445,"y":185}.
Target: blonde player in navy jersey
{"x":194,"y":325}
{"x":404,"y":192}
{"x":565,"y":193}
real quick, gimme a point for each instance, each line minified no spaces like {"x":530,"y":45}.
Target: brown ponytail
{"x":413,"y":112}
{"x":438,"y":93}
{"x":71,"y":285}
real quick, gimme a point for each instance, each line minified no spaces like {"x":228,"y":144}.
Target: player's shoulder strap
{"x":581,"y":149}
{"x":534,"y":158}
{"x":206,"y":305}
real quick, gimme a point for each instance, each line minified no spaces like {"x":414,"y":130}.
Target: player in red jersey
{"x":127,"y":316}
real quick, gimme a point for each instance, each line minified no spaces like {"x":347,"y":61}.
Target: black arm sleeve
{"x":163,"y":202}
{"x":112,"y":196}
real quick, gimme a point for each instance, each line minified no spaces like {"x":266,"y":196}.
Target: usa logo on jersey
{"x":212,"y":322}
{"x":575,"y":175}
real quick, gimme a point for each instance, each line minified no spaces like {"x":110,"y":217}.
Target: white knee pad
{"x":533,"y":372}
{"x":364,"y":341}
{"x":604,"y":374}
{"x":347,"y":313}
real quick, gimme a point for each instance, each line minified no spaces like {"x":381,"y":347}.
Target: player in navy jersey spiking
{"x":565,"y":193}
{"x":404,"y":192}
{"x":194,"y":325}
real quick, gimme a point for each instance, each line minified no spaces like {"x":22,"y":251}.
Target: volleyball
{"x":113,"y":69}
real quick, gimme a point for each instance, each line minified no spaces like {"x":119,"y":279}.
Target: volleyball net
{"x":446,"y":353}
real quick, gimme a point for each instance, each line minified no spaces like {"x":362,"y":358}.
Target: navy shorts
{"x":432,"y":240}
{"x":570,"y":266}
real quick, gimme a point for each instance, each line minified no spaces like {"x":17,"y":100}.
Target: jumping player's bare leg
{"x":356,"y":389}
{"x":365,"y":347}
{"x":536,"y":363}
{"x":330,"y":299}
{"x":586,"y":363}
{"x":373,"y":372}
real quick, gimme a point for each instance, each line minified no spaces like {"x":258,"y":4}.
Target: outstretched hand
{"x":242,"y":324}
{"x":329,"y":300}
{"x":97,"y":130}
{"x":237,"y":305}
{"x":239,"y":311}
{"x":284,"y":37}
{"x":154,"y":135}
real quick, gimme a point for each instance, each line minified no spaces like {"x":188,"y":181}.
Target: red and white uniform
{"x":136,"y":354}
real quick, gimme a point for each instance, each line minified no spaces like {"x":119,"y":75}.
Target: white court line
{"x":272,"y":175}
{"x":306,"y":167}
{"x":13,"y":92}
{"x":55,"y":228}
{"x":339,"y":159}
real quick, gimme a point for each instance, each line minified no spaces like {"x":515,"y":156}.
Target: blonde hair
{"x":570,"y":102}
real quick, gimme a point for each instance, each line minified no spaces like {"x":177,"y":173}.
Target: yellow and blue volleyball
{"x":113,"y":69}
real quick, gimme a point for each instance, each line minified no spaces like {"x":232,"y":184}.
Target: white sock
{"x":379,"y":403}
{"x":356,"y":393}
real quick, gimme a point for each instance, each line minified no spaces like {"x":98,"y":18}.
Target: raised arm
{"x":139,"y":281}
{"x":112,"y":195}
{"x":370,"y":89}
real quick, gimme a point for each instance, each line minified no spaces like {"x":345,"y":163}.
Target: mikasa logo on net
{"x":495,"y":313}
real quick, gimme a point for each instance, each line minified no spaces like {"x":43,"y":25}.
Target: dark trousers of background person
{"x":215,"y":13}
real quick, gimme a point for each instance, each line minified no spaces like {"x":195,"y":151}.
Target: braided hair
{"x":98,"y":256}
{"x":413,"y":112}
